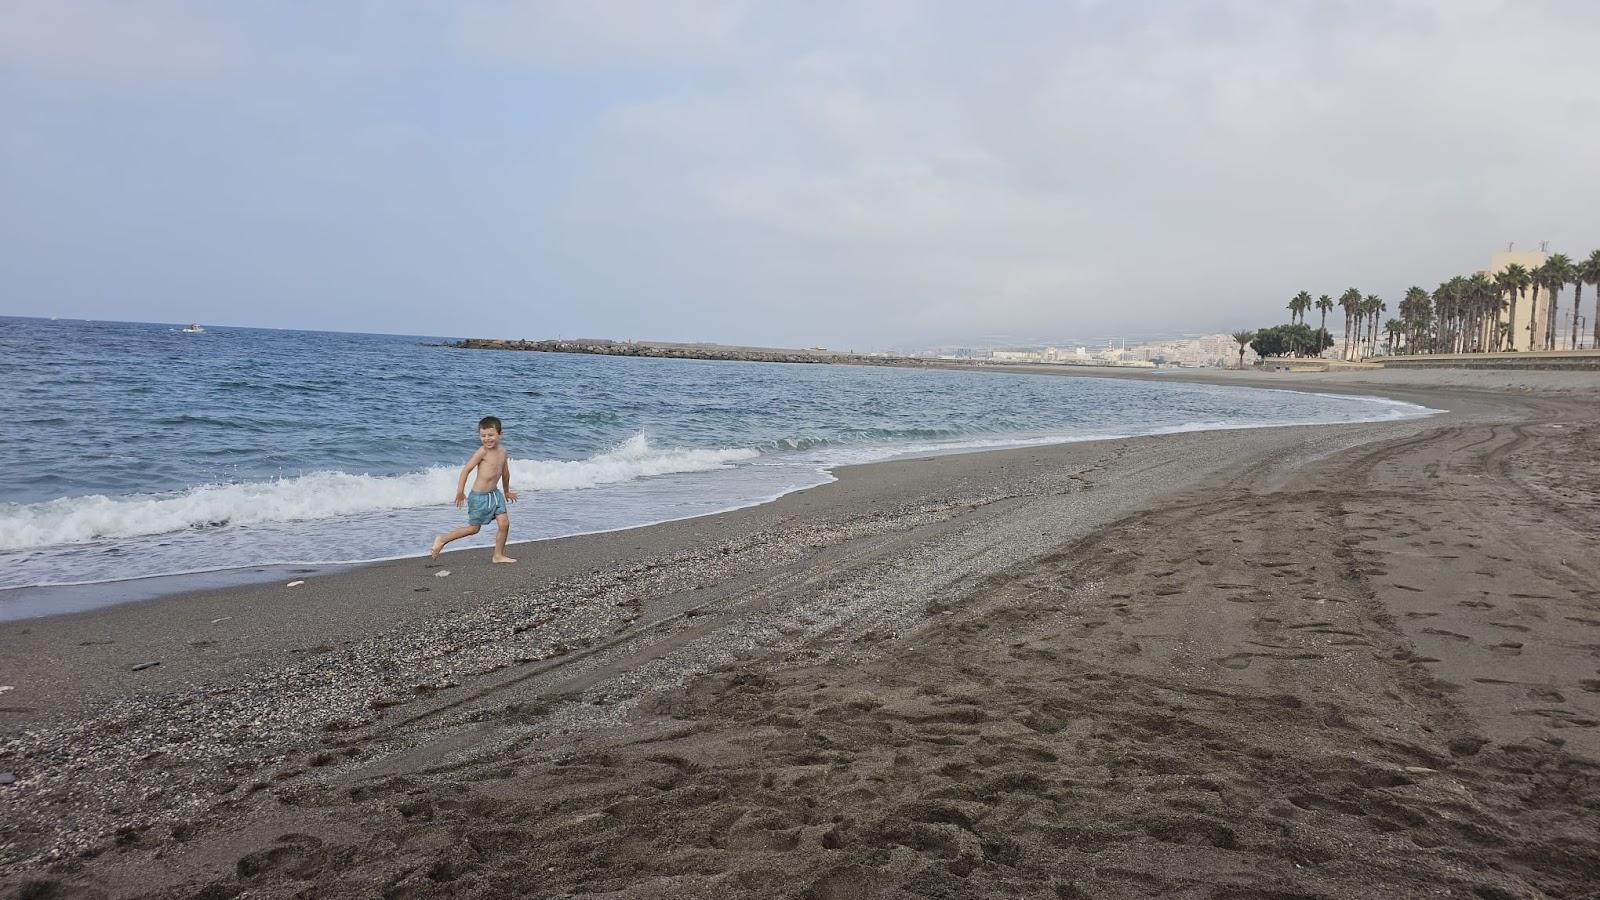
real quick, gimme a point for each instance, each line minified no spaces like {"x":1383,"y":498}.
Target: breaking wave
{"x":324,"y":495}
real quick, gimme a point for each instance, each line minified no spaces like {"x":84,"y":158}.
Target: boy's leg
{"x":458,"y":534}
{"x":504,"y":521}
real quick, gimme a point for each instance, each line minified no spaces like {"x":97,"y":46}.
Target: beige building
{"x":1529,"y":330}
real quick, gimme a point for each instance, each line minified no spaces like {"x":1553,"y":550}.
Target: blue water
{"x":129,"y":450}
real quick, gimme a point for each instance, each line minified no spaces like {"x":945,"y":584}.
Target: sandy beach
{"x":1338,"y":661}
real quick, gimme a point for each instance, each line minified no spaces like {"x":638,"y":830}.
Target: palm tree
{"x":1373,"y":308}
{"x":1423,"y":334}
{"x":1325,"y":303}
{"x":1244,"y":338}
{"x":1535,"y":281}
{"x":1413,"y":312}
{"x":1589,"y":270}
{"x":1450,"y":300}
{"x":1443,"y":337}
{"x":1486,"y":308}
{"x":1487,"y":303}
{"x":1513,"y":280}
{"x":1557,"y":272}
{"x":1350,"y":302}
{"x":1394,"y":328}
{"x":1298,"y":306}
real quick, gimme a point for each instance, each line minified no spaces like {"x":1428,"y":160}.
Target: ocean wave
{"x":325,"y":495}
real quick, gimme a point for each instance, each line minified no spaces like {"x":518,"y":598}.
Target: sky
{"x":863,"y":175}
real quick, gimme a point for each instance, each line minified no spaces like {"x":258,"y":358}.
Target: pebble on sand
{"x":8,"y":778}
{"x":442,"y":573}
{"x":294,"y":583}
{"x":145,"y":665}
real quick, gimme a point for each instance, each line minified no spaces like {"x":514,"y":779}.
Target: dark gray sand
{"x":1344,"y":661}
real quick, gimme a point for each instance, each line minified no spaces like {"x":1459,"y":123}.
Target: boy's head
{"x":489,"y":431}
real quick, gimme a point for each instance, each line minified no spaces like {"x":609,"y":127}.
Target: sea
{"x":134,"y":450}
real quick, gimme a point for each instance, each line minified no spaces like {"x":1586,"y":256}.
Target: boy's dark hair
{"x":489,"y":422}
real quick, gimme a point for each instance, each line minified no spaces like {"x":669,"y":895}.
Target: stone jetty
{"x":665,"y":350}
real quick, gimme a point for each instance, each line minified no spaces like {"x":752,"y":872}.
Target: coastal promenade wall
{"x":1538,"y":359}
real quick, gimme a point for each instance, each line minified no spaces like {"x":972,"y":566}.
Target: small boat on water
{"x":194,"y":329}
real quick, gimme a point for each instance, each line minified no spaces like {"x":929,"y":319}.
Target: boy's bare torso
{"x":491,"y":464}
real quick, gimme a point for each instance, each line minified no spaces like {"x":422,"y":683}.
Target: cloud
{"x":1198,"y":159}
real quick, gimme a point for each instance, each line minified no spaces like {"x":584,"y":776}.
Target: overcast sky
{"x":856,"y":174}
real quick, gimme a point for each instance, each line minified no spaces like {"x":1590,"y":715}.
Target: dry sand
{"x":1342,"y":661}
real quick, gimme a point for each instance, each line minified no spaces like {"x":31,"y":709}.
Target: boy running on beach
{"x":486,"y":500}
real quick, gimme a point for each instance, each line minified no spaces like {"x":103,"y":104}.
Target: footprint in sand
{"x":1508,"y":648}
{"x":1454,"y":636}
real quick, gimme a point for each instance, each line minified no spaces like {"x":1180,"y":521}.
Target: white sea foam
{"x":324,"y":495}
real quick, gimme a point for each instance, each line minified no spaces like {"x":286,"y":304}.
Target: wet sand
{"x":1332,"y":661}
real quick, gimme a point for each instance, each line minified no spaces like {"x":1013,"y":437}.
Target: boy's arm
{"x":505,"y":479}
{"x":461,"y":483}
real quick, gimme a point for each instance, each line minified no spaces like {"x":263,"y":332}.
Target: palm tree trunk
{"x":1597,"y":319}
{"x":1577,"y":304}
{"x":1512,"y":331}
{"x":1550,"y":322}
{"x":1533,"y":314}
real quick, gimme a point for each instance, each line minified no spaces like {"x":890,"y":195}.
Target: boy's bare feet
{"x":503,"y":559}
{"x":438,"y":544}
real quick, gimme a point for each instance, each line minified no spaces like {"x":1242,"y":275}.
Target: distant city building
{"x":1017,"y":356}
{"x":1524,"y":337}
{"x":1209,"y":350}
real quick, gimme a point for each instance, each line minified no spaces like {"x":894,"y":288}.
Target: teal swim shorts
{"x":484,"y":506}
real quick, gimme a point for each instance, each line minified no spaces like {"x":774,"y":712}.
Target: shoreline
{"x":539,"y":703}
{"x":31,"y":602}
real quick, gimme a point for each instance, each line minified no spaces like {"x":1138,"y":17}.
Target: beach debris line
{"x":140,"y":667}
